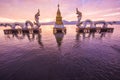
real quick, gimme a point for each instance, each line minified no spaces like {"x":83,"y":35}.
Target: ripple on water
{"x":69,"y":56}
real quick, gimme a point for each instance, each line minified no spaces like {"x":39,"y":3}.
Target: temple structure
{"x":59,"y":23}
{"x":59,"y":26}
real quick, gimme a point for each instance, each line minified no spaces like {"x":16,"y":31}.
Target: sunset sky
{"x":22,"y":10}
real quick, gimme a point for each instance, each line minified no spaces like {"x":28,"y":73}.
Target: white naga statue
{"x":79,"y":17}
{"x":26,"y":24}
{"x":90,"y":22}
{"x":37,"y":23}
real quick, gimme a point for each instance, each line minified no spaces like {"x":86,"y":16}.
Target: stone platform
{"x":88,"y":30}
{"x":59,"y":30}
{"x":10,"y":31}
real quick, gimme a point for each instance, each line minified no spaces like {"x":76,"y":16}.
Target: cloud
{"x":26,"y":9}
{"x":104,"y":11}
{"x":112,"y":14}
{"x":6,"y":20}
{"x":2,"y":19}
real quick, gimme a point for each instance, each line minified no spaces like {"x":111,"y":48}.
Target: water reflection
{"x":80,"y":37}
{"x":91,"y":35}
{"x":39,"y":40}
{"x":30,"y":36}
{"x":59,"y":37}
{"x":83,"y":56}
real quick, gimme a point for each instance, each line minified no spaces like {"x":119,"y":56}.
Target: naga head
{"x":78,"y":12}
{"x":38,"y":13}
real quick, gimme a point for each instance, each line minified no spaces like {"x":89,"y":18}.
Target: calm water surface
{"x":70,"y":56}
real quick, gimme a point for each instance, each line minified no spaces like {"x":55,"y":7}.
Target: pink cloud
{"x":25,"y":9}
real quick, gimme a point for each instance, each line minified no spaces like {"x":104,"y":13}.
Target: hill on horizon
{"x":65,"y":22}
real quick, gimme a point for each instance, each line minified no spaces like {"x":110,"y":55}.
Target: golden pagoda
{"x":59,"y":27}
{"x":58,"y":17}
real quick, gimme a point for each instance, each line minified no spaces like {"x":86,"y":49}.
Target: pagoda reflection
{"x":59,"y":38}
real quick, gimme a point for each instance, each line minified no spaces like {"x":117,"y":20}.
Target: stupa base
{"x":59,"y":30}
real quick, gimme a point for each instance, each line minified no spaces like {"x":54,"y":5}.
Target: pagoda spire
{"x":58,"y":11}
{"x":59,"y":17}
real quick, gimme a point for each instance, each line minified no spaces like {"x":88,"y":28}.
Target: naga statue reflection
{"x":30,"y":36}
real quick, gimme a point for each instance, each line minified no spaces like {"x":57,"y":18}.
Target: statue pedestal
{"x":94,"y":30}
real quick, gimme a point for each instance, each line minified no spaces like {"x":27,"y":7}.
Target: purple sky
{"x":21,"y":10}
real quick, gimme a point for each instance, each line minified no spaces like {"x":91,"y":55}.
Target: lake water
{"x":70,"y":56}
